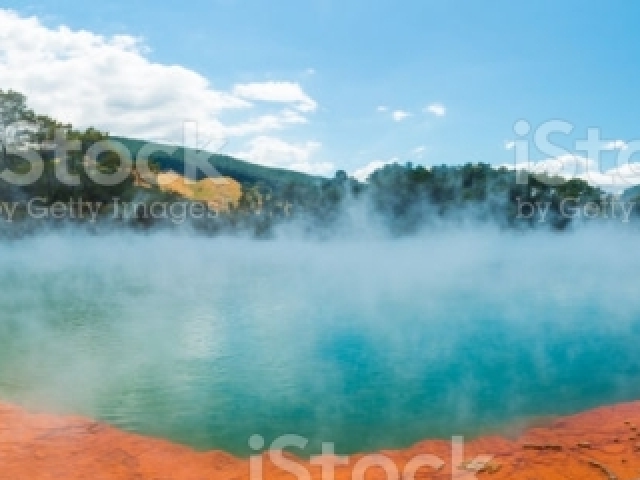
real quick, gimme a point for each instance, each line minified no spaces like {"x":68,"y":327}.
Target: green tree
{"x":13,"y":108}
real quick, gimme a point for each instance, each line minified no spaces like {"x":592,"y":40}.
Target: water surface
{"x":371,"y":345}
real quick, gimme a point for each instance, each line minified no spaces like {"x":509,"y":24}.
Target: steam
{"x":369,"y":342}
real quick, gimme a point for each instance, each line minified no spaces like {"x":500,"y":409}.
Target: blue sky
{"x":487,"y":63}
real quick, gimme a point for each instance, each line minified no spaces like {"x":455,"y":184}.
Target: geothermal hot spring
{"x":369,"y":344}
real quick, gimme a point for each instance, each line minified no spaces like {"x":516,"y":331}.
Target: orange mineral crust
{"x":599,"y":444}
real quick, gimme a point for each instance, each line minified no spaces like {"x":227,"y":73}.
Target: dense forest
{"x":400,"y":199}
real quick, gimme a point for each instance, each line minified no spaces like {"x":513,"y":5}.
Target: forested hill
{"x":227,"y":166}
{"x":399,"y":198}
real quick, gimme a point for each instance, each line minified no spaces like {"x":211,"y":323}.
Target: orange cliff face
{"x":600,"y":444}
{"x":218,"y":193}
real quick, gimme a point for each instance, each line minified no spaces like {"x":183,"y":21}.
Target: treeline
{"x":403,"y":199}
{"x":398,"y":199}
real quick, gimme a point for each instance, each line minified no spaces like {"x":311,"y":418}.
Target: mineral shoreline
{"x":599,"y":444}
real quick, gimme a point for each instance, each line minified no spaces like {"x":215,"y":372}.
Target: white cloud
{"x":509,"y":145}
{"x":89,"y":79}
{"x":382,"y":109}
{"x":265,"y":123}
{"x":400,"y":115}
{"x":616,"y":179}
{"x":277,"y":92}
{"x":109,"y":82}
{"x":363,"y":173}
{"x":616,"y":145}
{"x":275,"y":152}
{"x":567,"y":166}
{"x":436,"y":109}
{"x":419,"y":151}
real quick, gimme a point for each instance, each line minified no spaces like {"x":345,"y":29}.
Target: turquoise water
{"x":367,"y":344}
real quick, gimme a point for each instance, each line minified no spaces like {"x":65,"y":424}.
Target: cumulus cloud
{"x":109,"y":82}
{"x":616,"y":145}
{"x":382,"y":109}
{"x":615,"y":179}
{"x":277,"y":92}
{"x":89,"y":79}
{"x":400,"y":115}
{"x":436,"y":109}
{"x":275,"y":152}
{"x":567,"y":166}
{"x":264,"y":123}
{"x":364,"y":172}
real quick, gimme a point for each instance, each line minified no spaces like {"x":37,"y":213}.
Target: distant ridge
{"x":226,"y":165}
{"x":631,"y":194}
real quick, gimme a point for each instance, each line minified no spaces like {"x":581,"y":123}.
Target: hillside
{"x":244,"y":172}
{"x":631,"y":194}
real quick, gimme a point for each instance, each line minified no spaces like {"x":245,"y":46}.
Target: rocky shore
{"x":600,"y":444}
